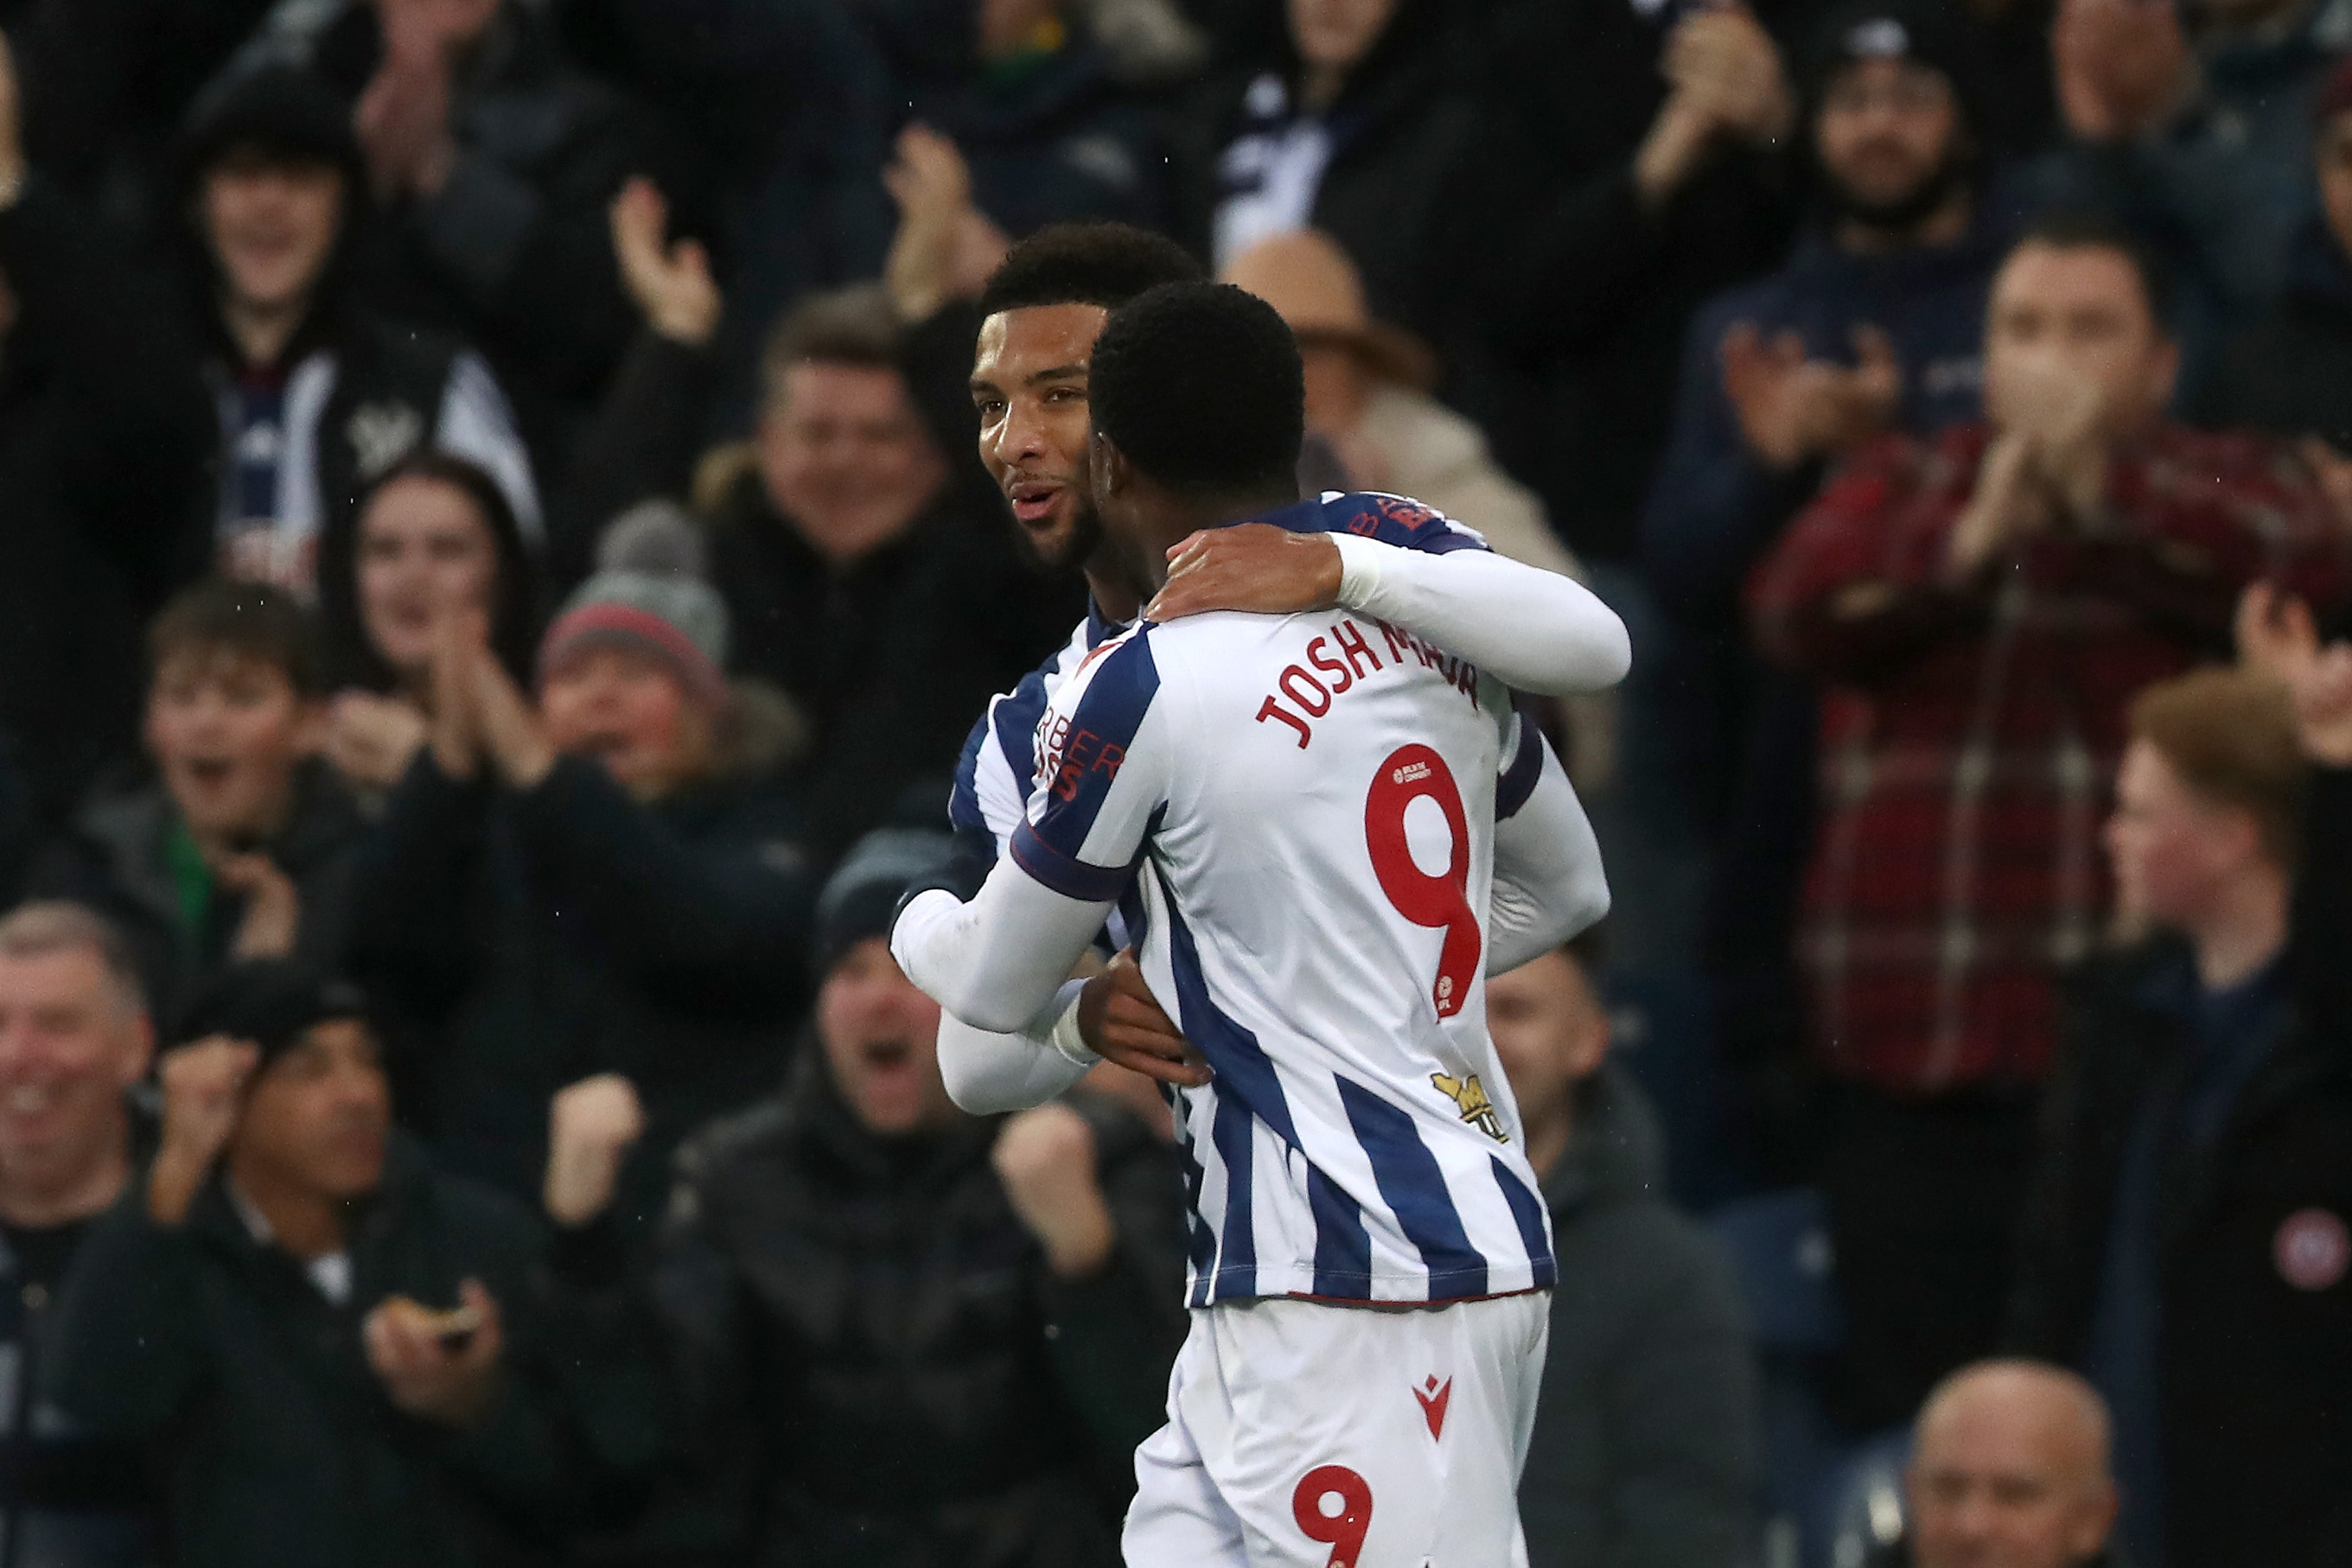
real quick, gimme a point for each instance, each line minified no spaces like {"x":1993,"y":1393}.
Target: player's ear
{"x":1111,"y":472}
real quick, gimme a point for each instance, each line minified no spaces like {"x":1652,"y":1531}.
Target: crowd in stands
{"x":501,"y":571}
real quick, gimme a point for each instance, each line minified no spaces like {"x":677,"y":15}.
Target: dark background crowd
{"x":497,"y":577}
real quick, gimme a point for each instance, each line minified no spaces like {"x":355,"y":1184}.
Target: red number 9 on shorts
{"x":1320,"y":1493}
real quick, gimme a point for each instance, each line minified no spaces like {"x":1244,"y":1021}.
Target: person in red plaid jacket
{"x":1979,"y":607}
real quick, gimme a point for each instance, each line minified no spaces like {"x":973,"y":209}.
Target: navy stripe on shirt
{"x":1527,"y":1210}
{"x":1517,"y":783}
{"x":1414,"y":1189}
{"x":1101,"y":730}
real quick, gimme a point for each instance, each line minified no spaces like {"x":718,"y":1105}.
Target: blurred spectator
{"x":241,"y":846}
{"x":1026,"y":94}
{"x":2008,"y":1467}
{"x":2016,"y":92}
{"x":598,"y":883}
{"x":102,"y":444}
{"x":434,"y":538}
{"x":1875,"y":322}
{"x":2193,"y":119}
{"x":1633,"y":155}
{"x":942,"y":1335}
{"x":108,"y":84}
{"x":491,"y":158}
{"x":2187,"y":1243}
{"x":1354,"y":122}
{"x":74,"y":1039}
{"x":1368,"y":396}
{"x":791,"y":108}
{"x":856,"y":584}
{"x":250,"y":1311}
{"x":2291,"y":373}
{"x":1645,"y":1439}
{"x":316,"y":395}
{"x":1979,"y":607}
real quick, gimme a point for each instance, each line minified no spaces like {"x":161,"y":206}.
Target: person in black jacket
{"x":1641,"y":150}
{"x":75,"y":1037}
{"x":241,"y":845}
{"x":316,"y":395}
{"x":938,"y":1336}
{"x":1645,"y":1443}
{"x":1355,"y":119}
{"x":102,"y":445}
{"x":2186,"y":1240}
{"x":323,"y":1343}
{"x":2291,"y":372}
{"x":491,"y":158}
{"x":602,"y":881}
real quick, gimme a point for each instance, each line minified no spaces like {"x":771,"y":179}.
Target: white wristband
{"x":1066,"y":1036}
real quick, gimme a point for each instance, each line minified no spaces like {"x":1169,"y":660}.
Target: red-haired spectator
{"x":2186,"y":1244}
{"x":1979,"y":608}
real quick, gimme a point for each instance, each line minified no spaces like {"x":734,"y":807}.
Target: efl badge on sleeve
{"x":2312,"y":1249}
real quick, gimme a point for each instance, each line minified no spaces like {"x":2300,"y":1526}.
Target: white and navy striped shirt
{"x":1297,"y":815}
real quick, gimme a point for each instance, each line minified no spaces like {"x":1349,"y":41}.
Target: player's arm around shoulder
{"x":1539,"y":631}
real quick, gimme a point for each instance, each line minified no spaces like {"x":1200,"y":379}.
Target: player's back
{"x":1319,"y":852}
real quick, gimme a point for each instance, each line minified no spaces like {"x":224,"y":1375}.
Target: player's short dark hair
{"x":1200,"y":384}
{"x":246,"y":620}
{"x":1104,"y":264}
{"x":2092,"y":229}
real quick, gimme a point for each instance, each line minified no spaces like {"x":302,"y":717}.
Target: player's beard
{"x":1073,"y":549}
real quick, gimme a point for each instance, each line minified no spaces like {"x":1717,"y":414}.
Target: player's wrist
{"x":1359,"y":571}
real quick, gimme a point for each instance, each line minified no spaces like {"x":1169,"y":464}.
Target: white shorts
{"x":1304,"y":1434}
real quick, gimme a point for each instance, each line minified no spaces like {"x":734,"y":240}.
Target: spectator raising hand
{"x":1726,"y":84}
{"x":2276,"y":637}
{"x":202,"y":1084}
{"x":946,"y":246}
{"x":669,"y":280}
{"x":591,"y":1125}
{"x":1793,"y":408}
{"x":402,"y":118}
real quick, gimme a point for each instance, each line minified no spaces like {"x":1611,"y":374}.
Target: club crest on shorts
{"x":2312,"y":1249}
{"x":1469,"y":1097}
{"x":1434,"y":1397}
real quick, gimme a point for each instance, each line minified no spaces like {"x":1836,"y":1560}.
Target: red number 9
{"x":1443,"y":902}
{"x":1343,"y":1532}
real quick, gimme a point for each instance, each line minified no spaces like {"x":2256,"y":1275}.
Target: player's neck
{"x":1115,"y":599}
{"x":1176,"y":518}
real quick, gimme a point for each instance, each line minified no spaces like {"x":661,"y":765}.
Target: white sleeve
{"x":1548,"y":881}
{"x":1533,"y":629}
{"x":987,"y":1073}
{"x":477,"y":424}
{"x":996,"y":962}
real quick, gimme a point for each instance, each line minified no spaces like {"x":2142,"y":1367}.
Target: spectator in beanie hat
{"x":598,"y":882}
{"x":320,"y":1338}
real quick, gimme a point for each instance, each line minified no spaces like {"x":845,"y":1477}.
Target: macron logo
{"x":1434,"y":1400}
